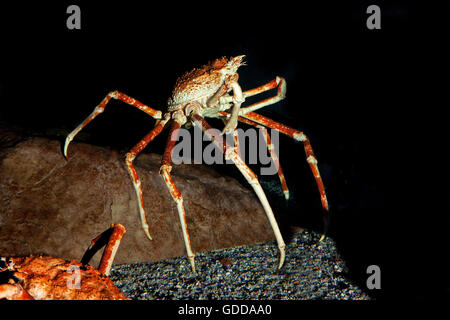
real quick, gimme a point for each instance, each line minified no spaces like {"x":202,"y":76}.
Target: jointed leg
{"x":113,"y":237}
{"x":238,"y":99}
{"x":278,"y":82}
{"x":274,"y":156}
{"x":133,"y":174}
{"x":299,"y":136}
{"x":166,"y":167}
{"x":271,"y":149}
{"x":101,"y":107}
{"x":230,"y":153}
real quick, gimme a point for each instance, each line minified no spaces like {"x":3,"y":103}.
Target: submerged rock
{"x":56,"y":206}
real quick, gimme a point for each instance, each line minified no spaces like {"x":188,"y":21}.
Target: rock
{"x":53,"y":206}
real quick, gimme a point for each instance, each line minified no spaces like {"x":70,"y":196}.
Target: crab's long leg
{"x":274,"y":156}
{"x":272,"y":152}
{"x":238,"y":98}
{"x":297,"y":135}
{"x":111,"y":238}
{"x":166,"y":167}
{"x":101,"y":107}
{"x":230,"y":153}
{"x":131,"y":155}
{"x":110,"y":251}
{"x":310,"y":157}
{"x":278,"y":82}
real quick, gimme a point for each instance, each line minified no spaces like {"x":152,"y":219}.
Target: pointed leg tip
{"x":66,"y":146}
{"x":282,"y":258}
{"x":279,"y":266}
{"x":321,"y":238}
{"x":147,"y":233}
{"x":192,"y":261}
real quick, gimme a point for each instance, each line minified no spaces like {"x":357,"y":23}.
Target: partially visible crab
{"x":49,"y":278}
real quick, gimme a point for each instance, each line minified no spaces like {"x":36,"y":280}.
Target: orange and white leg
{"x":272,"y":152}
{"x":278,"y":82}
{"x":101,"y":107}
{"x":166,"y":167}
{"x":112,"y":237}
{"x":131,"y":155}
{"x":250,"y":176}
{"x":299,"y":136}
{"x":237,"y":99}
{"x":274,"y":156}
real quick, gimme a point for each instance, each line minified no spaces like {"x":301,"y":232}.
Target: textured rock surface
{"x":312,"y":270}
{"x":55,"y":206}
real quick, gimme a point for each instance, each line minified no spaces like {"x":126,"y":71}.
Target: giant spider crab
{"x":205,"y":92}
{"x":49,"y":278}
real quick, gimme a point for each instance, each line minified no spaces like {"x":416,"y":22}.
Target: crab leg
{"x":166,"y":167}
{"x":274,"y":156}
{"x":310,"y":157}
{"x":278,"y":82}
{"x":101,"y":107}
{"x":110,"y":251}
{"x":230,"y":153}
{"x":271,"y":149}
{"x":112,"y":238}
{"x":238,"y":98}
{"x":133,"y":174}
{"x":297,"y":135}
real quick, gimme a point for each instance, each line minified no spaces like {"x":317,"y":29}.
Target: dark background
{"x":371,"y":101}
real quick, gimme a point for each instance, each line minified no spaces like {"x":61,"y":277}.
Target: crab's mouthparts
{"x":240,"y":60}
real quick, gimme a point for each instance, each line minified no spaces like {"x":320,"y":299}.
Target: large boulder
{"x":55,"y":206}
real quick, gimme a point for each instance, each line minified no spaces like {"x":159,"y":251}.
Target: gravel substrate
{"x":311,"y":271}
